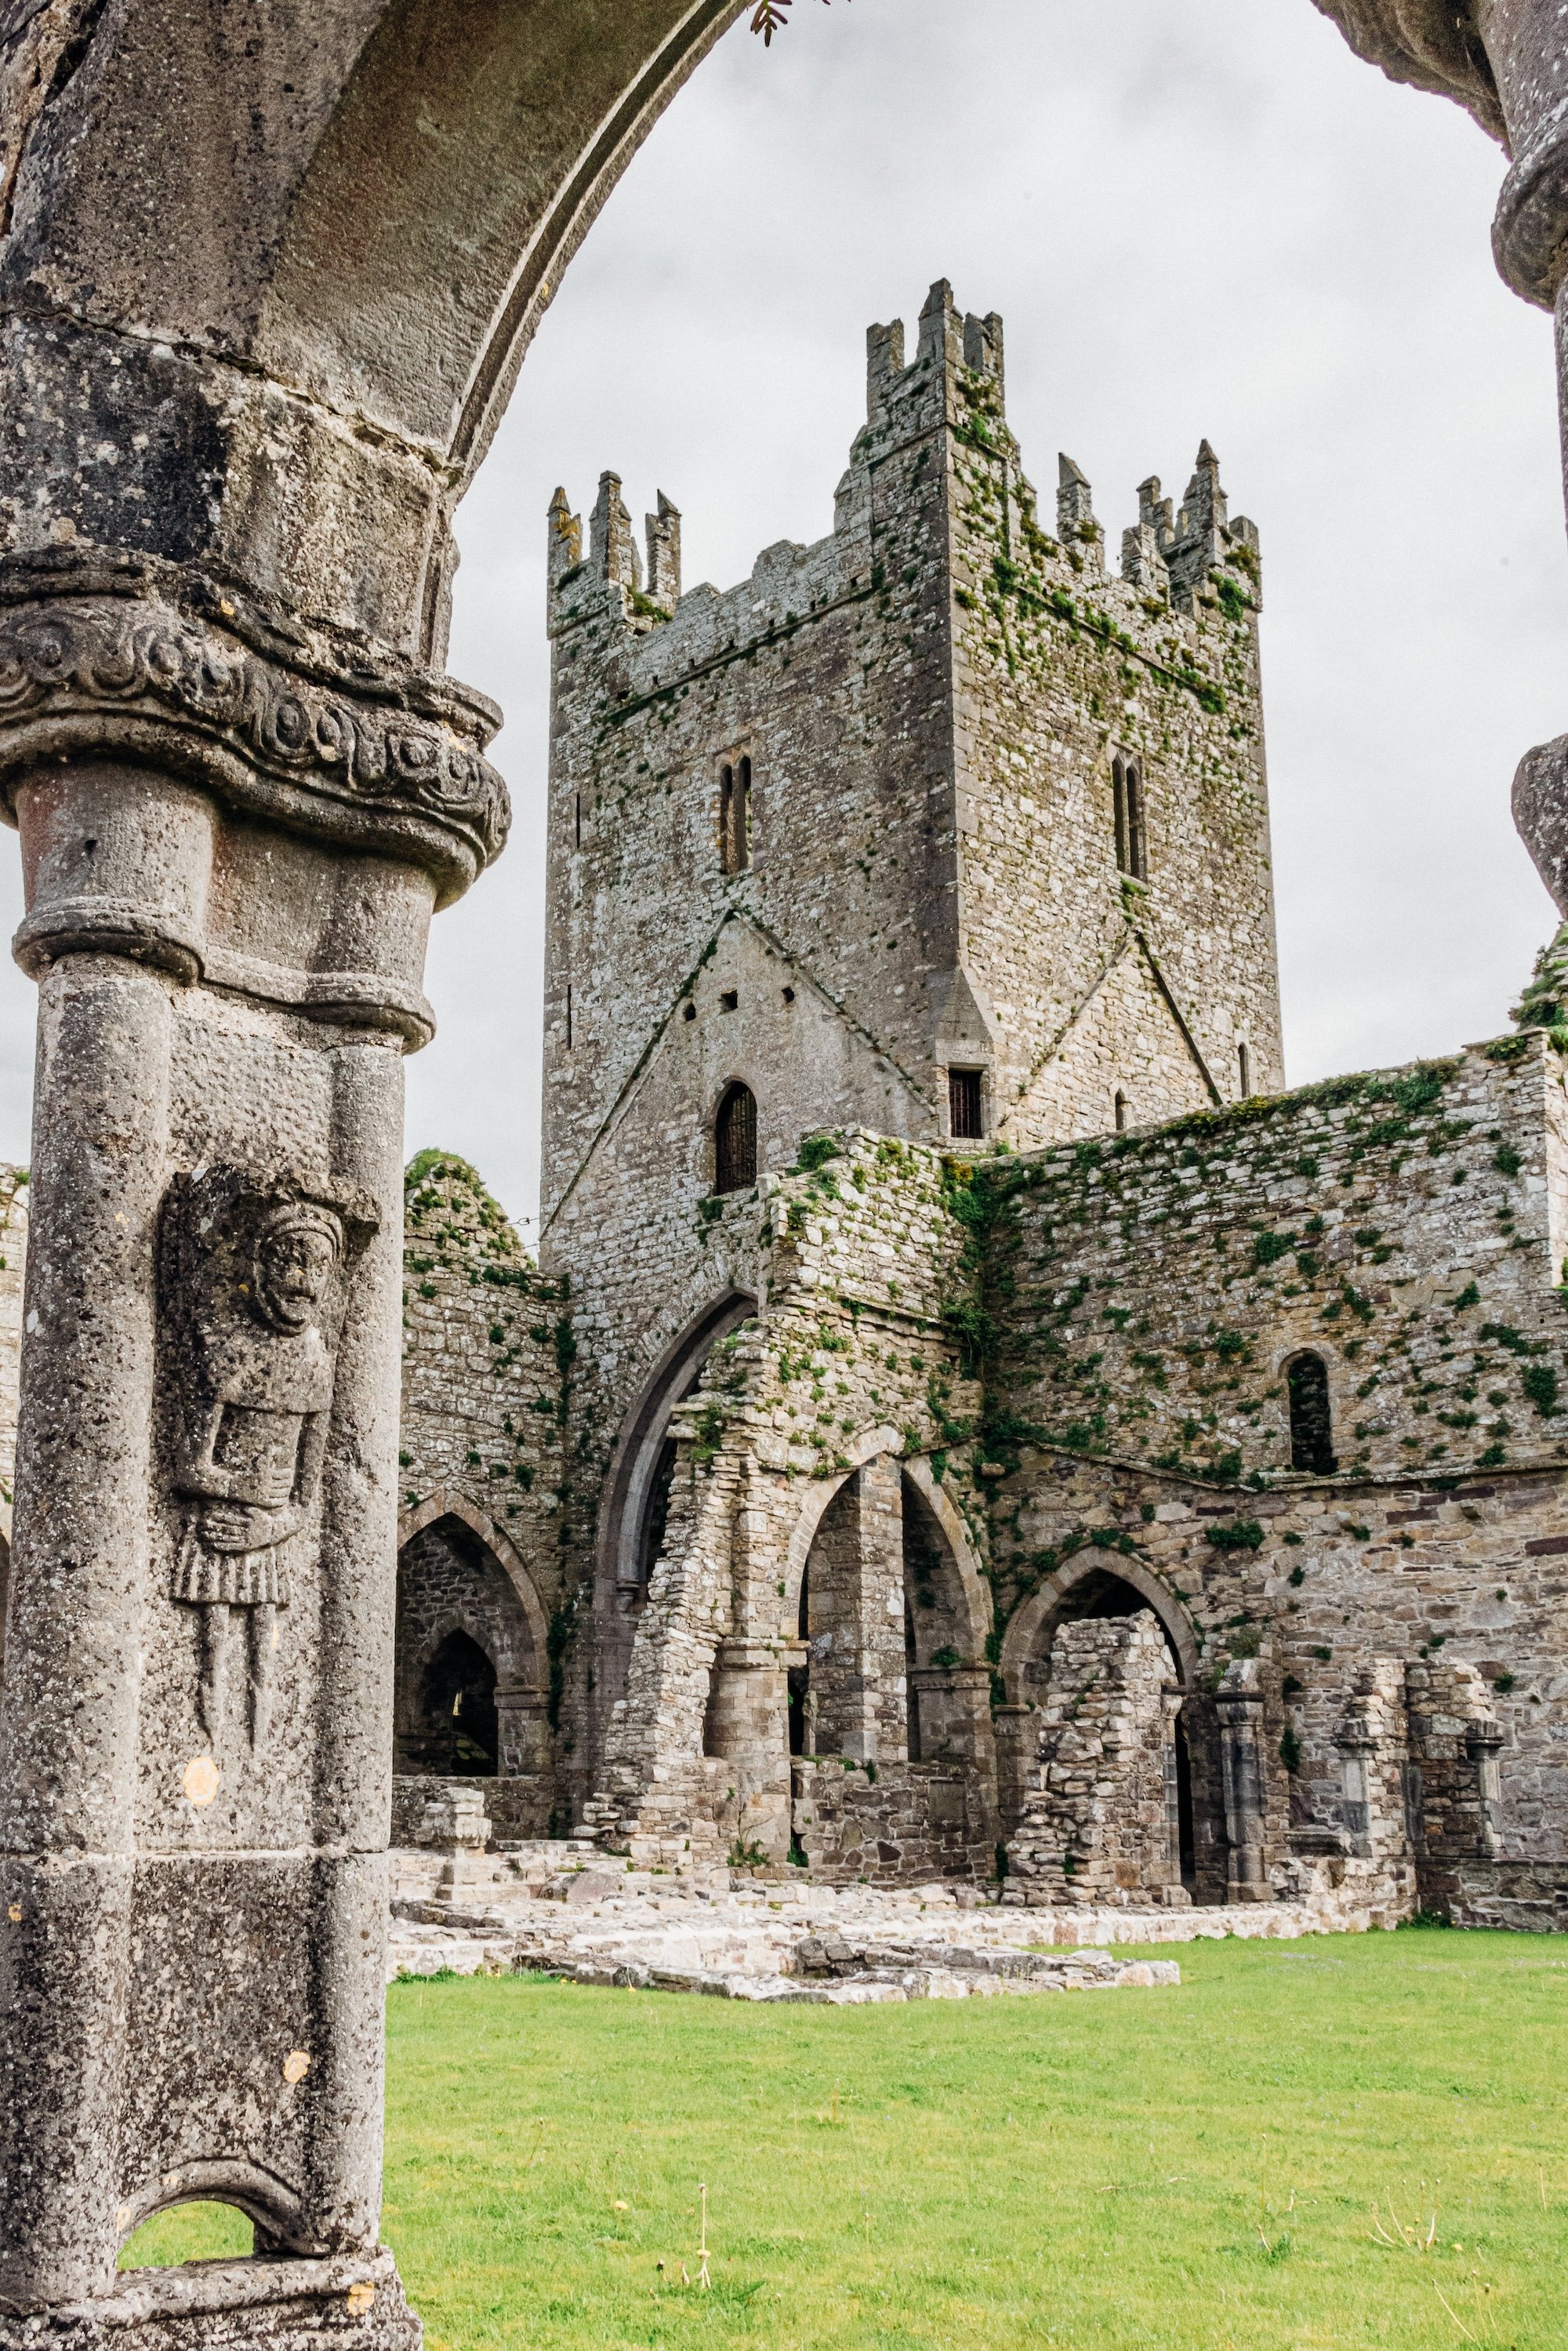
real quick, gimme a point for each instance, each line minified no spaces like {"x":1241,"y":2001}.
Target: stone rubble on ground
{"x":556,"y":1908}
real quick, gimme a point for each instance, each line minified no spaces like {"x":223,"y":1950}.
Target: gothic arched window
{"x":735,"y":1141}
{"x":1311,"y":1428}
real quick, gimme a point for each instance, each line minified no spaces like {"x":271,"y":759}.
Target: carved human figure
{"x":254,"y":1438}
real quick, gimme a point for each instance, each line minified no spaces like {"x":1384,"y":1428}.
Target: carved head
{"x":297,"y":1250}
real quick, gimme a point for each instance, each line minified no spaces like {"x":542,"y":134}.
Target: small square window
{"x":730,"y":1000}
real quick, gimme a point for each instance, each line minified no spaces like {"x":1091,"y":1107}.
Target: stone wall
{"x":489,"y":1354}
{"x":1409,"y":1226}
{"x":890,"y":1823}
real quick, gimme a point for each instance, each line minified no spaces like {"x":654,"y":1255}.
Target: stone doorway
{"x":469,"y":1701}
{"x":455,"y":1733}
{"x":1088,"y":1588}
{"x":892,"y":1771}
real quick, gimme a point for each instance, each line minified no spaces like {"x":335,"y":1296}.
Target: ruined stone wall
{"x":1407,"y":1225}
{"x":850,"y":1363}
{"x":1097,"y":1813}
{"x":489,"y":1356}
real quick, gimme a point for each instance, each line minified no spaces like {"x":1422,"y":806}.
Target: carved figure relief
{"x":251,"y":1284}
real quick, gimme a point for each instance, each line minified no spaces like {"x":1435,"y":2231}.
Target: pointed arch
{"x":949,"y":1518}
{"x":859,"y":1450}
{"x":1021,"y":1639}
{"x":451,"y":1502}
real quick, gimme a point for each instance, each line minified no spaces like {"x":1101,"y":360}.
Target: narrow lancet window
{"x":1127,"y":796}
{"x":964,"y":1105}
{"x":1244,"y":1070}
{"x":1121,"y":1113}
{"x":1311,"y":1430}
{"x":735,"y":817}
{"x":735,"y":1141}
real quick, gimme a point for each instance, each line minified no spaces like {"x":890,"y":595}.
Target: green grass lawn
{"x":1195,"y":2168}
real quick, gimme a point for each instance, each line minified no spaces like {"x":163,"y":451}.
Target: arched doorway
{"x":635,"y":1511}
{"x":1108,"y":1583}
{"x":454,"y":1731}
{"x":469,"y":1690}
{"x":889,"y":1673}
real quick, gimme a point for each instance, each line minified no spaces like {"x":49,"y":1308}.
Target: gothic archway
{"x":637,"y":1489}
{"x":469,"y":1671}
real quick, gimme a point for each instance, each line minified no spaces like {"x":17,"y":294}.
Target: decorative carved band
{"x":130,"y":676}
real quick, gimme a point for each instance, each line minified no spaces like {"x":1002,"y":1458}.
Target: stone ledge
{"x":351,"y":2299}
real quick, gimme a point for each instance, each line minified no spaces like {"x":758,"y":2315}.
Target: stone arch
{"x":642,"y":1454}
{"x":1044,"y":1608}
{"x":814,"y":1505}
{"x":451,"y":1502}
{"x":250,"y":2188}
{"x":456,"y":1585}
{"x":349,"y":233}
{"x":966,"y":1560}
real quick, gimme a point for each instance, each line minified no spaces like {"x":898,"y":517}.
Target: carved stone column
{"x":1239,"y":1700}
{"x":233,"y":834}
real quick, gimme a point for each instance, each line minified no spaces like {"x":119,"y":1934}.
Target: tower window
{"x":1312,"y":1431}
{"x":735,"y":817}
{"x":1244,"y":1070}
{"x":735,"y":1141}
{"x":568,"y":1017}
{"x":1121,"y":1113}
{"x":1128,"y":794}
{"x":964,"y":1120}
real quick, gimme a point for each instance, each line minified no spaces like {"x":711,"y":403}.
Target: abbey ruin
{"x":966,"y":1420}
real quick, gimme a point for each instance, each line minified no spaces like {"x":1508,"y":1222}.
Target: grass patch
{"x":1194,"y":2169}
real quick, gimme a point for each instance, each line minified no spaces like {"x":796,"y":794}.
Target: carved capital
{"x":327,"y":739}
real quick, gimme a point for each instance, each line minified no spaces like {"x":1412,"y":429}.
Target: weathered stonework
{"x":263,"y":304}
{"x":1099,"y":1814}
{"x":883,"y":1459}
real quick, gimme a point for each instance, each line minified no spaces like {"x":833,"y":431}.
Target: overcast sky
{"x":1197,"y":217}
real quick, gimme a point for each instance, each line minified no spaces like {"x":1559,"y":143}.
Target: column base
{"x":352,"y":2302}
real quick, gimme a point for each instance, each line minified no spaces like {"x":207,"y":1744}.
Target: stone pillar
{"x":1373,"y":1743}
{"x":1172,"y":1698}
{"x":855,"y":1619}
{"x":522,"y":1730}
{"x":1239,"y":1700}
{"x":233,"y":837}
{"x":747,"y":1731}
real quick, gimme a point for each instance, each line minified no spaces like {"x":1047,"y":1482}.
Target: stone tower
{"x":935,"y":828}
{"x":991,"y":810}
